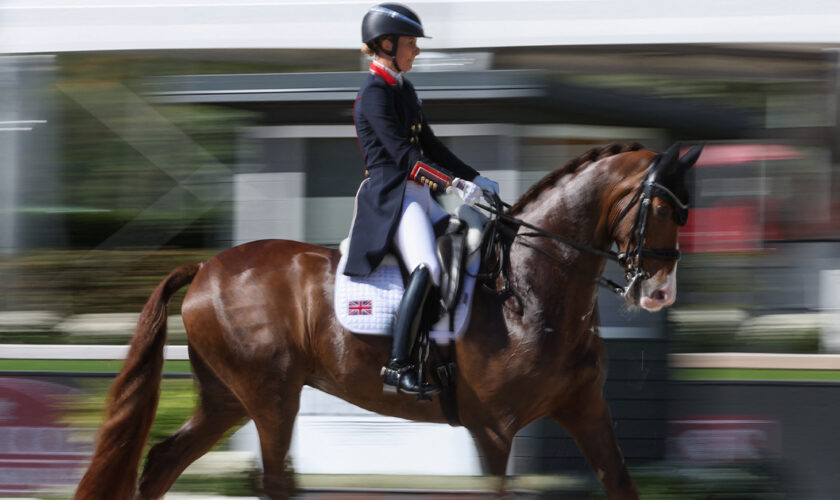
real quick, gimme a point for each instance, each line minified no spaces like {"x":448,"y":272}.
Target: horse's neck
{"x":572,"y":208}
{"x":559,"y":292}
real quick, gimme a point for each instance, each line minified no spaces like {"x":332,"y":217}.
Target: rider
{"x":404,"y":164}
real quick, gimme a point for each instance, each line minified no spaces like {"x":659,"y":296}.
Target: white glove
{"x":466,"y":190}
{"x":486,"y":184}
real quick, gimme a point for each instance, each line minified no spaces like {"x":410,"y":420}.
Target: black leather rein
{"x":630,"y":259}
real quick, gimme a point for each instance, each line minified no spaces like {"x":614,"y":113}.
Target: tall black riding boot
{"x":400,"y":374}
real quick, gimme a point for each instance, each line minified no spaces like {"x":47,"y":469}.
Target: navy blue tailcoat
{"x":393,"y":135}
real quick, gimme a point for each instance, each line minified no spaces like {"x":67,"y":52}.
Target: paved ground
{"x":405,"y":495}
{"x":370,"y":495}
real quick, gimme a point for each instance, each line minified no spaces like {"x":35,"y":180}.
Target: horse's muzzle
{"x":655,"y":297}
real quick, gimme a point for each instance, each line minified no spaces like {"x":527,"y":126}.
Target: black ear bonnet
{"x":666,"y":179}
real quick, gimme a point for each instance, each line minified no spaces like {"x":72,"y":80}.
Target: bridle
{"x":631,"y":257}
{"x":505,"y":229}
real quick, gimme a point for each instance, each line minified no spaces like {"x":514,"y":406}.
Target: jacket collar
{"x":390,"y":76}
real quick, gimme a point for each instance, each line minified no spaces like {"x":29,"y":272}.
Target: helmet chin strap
{"x":395,"y":39}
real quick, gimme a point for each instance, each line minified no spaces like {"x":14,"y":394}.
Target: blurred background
{"x":135,"y":138}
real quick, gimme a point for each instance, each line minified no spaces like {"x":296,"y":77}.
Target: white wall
{"x":334,"y":437}
{"x":269,"y":205}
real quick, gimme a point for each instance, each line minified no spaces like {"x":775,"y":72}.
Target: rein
{"x":511,"y":233}
{"x":629,"y":259}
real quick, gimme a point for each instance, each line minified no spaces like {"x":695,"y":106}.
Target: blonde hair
{"x":366,"y":50}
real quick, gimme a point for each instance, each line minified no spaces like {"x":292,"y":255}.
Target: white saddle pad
{"x":369,"y":305}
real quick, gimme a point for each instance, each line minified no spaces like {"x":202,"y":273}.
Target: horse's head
{"x":646,"y":227}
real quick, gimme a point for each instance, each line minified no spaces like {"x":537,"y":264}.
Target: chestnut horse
{"x":260,"y":325}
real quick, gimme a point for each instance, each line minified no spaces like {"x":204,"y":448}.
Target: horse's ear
{"x":690,"y":158}
{"x":670,"y":155}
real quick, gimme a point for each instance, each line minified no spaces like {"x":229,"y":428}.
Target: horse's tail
{"x":133,"y":400}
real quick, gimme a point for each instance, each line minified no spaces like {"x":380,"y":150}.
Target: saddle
{"x":451,"y":252}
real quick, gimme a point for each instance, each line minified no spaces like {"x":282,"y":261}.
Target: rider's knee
{"x":432,"y":268}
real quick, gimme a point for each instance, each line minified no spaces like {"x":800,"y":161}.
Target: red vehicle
{"x":737,"y":197}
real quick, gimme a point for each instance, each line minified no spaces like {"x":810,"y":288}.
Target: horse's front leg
{"x":494,"y":446}
{"x":590,"y":424}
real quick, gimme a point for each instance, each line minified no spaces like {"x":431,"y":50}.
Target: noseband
{"x":630,"y":259}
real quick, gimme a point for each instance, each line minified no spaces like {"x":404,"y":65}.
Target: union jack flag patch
{"x":360,"y":307}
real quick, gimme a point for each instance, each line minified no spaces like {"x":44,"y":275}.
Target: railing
{"x":81,"y":352}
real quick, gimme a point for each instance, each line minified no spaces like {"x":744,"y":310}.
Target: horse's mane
{"x":586,"y":158}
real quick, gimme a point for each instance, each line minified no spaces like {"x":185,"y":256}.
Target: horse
{"x":260,"y":325}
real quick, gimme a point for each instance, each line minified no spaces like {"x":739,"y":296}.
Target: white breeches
{"x":415,"y":237}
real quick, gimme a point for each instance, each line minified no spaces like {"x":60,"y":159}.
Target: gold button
{"x":419,"y":127}
{"x":434,"y":186}
{"x":411,"y":140}
{"x":414,"y":128}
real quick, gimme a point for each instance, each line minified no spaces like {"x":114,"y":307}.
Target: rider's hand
{"x":488,"y":186}
{"x":466,"y":190}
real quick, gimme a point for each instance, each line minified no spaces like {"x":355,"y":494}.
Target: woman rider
{"x":405,"y":164}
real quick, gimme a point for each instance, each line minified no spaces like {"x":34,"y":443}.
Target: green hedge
{"x":90,"y":281}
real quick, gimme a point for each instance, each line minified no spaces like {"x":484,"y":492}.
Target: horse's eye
{"x":662,"y":210}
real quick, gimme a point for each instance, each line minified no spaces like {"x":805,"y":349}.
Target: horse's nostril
{"x":659,"y":296}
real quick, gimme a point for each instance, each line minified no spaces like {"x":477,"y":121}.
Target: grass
{"x":655,"y":482}
{"x":754,"y":374}
{"x":393,"y":482}
{"x":70,"y":365}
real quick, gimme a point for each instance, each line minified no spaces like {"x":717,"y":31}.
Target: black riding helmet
{"x":390,"y":19}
